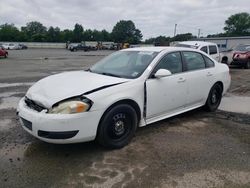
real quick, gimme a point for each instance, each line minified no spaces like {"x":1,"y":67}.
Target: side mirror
{"x":162,"y":73}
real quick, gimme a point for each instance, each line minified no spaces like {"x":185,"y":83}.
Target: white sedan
{"x":128,"y":89}
{"x":10,"y":46}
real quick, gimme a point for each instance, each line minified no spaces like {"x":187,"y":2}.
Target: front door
{"x":168,"y":94}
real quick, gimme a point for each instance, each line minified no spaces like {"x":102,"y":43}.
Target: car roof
{"x":159,"y":49}
{"x":197,"y":43}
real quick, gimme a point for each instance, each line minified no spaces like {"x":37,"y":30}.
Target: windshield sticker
{"x":134,"y":74}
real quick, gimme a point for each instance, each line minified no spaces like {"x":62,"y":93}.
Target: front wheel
{"x":248,"y":65}
{"x":6,"y":55}
{"x":214,"y":98}
{"x":117,"y":126}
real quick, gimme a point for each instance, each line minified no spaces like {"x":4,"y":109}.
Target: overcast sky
{"x":152,"y":17}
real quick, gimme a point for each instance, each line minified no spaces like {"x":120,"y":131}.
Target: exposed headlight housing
{"x":71,"y":106}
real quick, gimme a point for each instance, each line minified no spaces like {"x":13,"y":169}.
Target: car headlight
{"x":71,"y":107}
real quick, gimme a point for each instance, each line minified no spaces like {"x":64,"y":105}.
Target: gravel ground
{"x":195,"y":149}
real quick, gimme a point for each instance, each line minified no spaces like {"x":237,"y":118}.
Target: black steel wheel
{"x":117,"y":126}
{"x":214,"y":98}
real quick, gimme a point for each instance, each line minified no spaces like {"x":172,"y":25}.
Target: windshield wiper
{"x":110,"y":74}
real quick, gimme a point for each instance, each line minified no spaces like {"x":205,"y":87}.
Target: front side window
{"x":212,"y":50}
{"x":193,"y":60}
{"x":124,"y":64}
{"x":171,"y":62}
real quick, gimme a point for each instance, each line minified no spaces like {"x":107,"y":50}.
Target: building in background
{"x":227,"y":42}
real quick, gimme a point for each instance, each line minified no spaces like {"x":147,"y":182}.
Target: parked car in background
{"x":3,"y":52}
{"x":10,"y":46}
{"x":22,"y":46}
{"x":207,"y":47}
{"x":70,"y":45}
{"x":126,"y":90}
{"x":108,"y":46}
{"x":92,"y":48}
{"x":241,"y":56}
{"x":77,"y":47}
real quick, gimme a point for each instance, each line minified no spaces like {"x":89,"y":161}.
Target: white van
{"x":207,"y":47}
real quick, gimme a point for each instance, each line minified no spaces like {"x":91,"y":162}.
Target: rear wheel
{"x":214,"y":98}
{"x":117,"y":126}
{"x":224,"y":60}
{"x":6,"y":55}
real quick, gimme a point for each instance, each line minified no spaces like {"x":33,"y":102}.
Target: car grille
{"x":33,"y":105}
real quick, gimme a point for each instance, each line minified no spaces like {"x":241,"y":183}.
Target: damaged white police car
{"x":127,"y":89}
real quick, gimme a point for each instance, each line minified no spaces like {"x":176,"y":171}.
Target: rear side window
{"x":194,"y":61}
{"x":204,"y":49}
{"x":171,"y":62}
{"x":209,"y":62}
{"x":212,"y":50}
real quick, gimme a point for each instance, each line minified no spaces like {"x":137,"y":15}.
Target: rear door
{"x":199,"y":77}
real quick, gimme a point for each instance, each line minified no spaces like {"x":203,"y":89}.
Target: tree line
{"x":236,"y":25}
{"x":123,"y":32}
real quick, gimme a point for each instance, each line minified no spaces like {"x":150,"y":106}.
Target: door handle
{"x":209,"y":74}
{"x":181,"y":80}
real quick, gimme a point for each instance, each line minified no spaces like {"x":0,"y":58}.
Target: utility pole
{"x":199,"y":32}
{"x":175,"y":26}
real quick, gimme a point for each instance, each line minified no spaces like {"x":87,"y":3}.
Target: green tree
{"x":183,"y":37}
{"x":66,"y":35}
{"x":125,"y":31}
{"x":77,"y":33}
{"x":97,"y":35}
{"x":53,"y":34}
{"x":39,"y":38}
{"x":88,"y":35}
{"x":238,"y":24}
{"x":34,"y":28}
{"x":161,"y":41}
{"x":8,"y":32}
{"x":105,"y":35}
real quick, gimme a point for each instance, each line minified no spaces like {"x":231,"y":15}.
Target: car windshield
{"x":243,"y":48}
{"x":186,"y":46}
{"x":124,"y":64}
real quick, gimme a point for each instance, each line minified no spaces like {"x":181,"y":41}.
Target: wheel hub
{"x":214,"y":98}
{"x":119,"y":127}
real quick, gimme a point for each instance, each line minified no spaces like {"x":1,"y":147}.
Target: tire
{"x":6,"y":55}
{"x":214,"y":98}
{"x":247,"y":66}
{"x":117,"y":126}
{"x":224,"y":60}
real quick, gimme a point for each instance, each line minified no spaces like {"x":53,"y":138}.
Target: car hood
{"x":55,"y":88}
{"x":240,"y":52}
